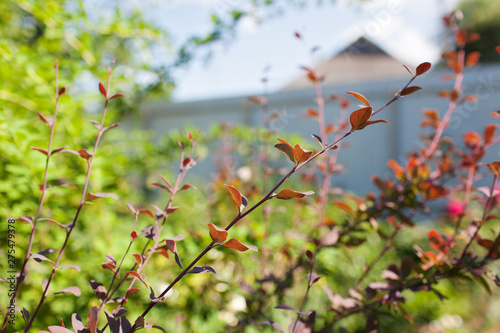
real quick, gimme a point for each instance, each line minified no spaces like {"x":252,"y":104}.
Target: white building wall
{"x":371,"y":148}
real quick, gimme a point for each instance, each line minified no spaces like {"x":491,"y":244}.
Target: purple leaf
{"x":72,"y":290}
{"x":274,"y":325}
{"x":295,"y":327}
{"x":312,"y":278}
{"x":26,"y":315}
{"x":39,"y":258}
{"x":286,"y":307}
{"x":202,"y":269}
{"x":76,"y":322}
{"x":99,"y":289}
{"x":59,"y":329}
{"x":75,"y":267}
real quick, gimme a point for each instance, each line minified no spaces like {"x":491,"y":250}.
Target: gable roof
{"x":372,"y":57}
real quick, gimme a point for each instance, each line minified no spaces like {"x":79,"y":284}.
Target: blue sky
{"x":410,"y":30}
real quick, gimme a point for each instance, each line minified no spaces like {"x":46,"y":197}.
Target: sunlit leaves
{"x":171,"y":245}
{"x":359,"y":117}
{"x":286,"y":148}
{"x":235,"y":244}
{"x":240,"y":200}
{"x":371,"y":122}
{"x":138,"y":276}
{"x":360,"y":97}
{"x":218,"y":235}
{"x":288,"y":194}
{"x":131,"y":292}
{"x":300,"y":155}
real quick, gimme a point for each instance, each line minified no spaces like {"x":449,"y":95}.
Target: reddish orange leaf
{"x":48,"y":120}
{"x":41,"y":150}
{"x":235,"y":244}
{"x":359,"y":117}
{"x":108,"y":265}
{"x":422,"y":68}
{"x":92,"y":196}
{"x":432,"y":192}
{"x":258,"y":100}
{"x":162,"y":186}
{"x":342,"y":205}
{"x":489,"y":132}
{"x":360,"y":97}
{"x":472,"y":59}
{"x":461,"y":37}
{"x":498,"y":49}
{"x":172,"y":209}
{"x":237,"y":197}
{"x":93,"y":316}
{"x":310,"y":113}
{"x":103,"y":90}
{"x":218,"y":234}
{"x":300,"y":155}
{"x":330,"y":129}
{"x":137,"y":275}
{"x":495,"y":167}
{"x":287,"y":149}
{"x":131,"y":292}
{"x":117,"y":96}
{"x":473,"y":37}
{"x":371,"y":122}
{"x":470,"y":98}
{"x":288,"y":194}
{"x":396,"y":168}
{"x":147,"y":212}
{"x":138,"y":258}
{"x":472,"y":139}
{"x":436,"y":241}
{"x":496,"y":114}
{"x":409,"y":90}
{"x":186,"y":186}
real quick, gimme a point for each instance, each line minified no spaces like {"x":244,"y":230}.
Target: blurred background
{"x":192,"y":64}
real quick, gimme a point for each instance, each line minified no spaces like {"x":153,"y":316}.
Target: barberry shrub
{"x":317,"y":259}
